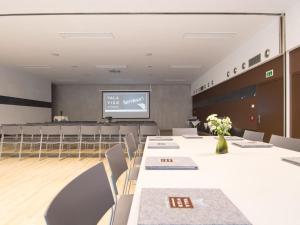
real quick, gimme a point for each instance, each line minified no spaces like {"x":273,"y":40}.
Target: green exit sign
{"x":269,"y":73}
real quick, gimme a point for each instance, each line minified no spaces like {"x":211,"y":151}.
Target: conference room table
{"x":264,"y":188}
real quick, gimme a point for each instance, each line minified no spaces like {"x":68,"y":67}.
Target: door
{"x":269,"y":97}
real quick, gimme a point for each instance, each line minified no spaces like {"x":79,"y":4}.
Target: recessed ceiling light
{"x":185,"y":66}
{"x":111,"y":66}
{"x":150,"y":66}
{"x":149,"y":54}
{"x":36,"y":66}
{"x":175,"y":80}
{"x":74,"y":66}
{"x":55,"y":54}
{"x":86,"y":35}
{"x":209,"y":35}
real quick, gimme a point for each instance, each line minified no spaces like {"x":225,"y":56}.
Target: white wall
{"x":19,"y":85}
{"x":267,"y":38}
{"x":170,"y":105}
{"x":293,"y":26}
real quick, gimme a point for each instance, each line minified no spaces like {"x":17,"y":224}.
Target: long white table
{"x":257,"y":181}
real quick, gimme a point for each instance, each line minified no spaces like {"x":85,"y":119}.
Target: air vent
{"x":256,"y":59}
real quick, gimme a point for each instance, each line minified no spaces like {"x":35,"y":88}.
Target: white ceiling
{"x":32,"y":40}
{"x":30,"y":6}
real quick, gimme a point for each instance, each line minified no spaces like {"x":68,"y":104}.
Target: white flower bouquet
{"x":219,"y":126}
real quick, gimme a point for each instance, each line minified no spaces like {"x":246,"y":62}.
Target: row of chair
{"x":279,"y":141}
{"x":72,"y":206}
{"x":69,"y":136}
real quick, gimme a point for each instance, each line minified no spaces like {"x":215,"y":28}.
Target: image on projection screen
{"x":125,"y":104}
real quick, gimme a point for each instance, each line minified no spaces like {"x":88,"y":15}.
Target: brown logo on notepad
{"x":181,"y":202}
{"x":166,"y":160}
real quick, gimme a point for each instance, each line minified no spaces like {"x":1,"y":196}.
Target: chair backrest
{"x":70,"y":130}
{"x":83,"y":201}
{"x":130,"y":145}
{"x":11,"y":130}
{"x":124,"y":130}
{"x":183,"y":131}
{"x":50,"y":130}
{"x":89,"y":130}
{"x":237,"y":132}
{"x":149,"y":130}
{"x":288,"y":143}
{"x":109,"y":130}
{"x":253,"y":135}
{"x":31,"y":130}
{"x":117,"y":163}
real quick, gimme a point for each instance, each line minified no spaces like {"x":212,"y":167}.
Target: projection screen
{"x":126,"y":104}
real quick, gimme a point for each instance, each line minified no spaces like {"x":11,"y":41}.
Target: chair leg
{"x":125,"y":183}
{"x":79,"y":154}
{"x":1,"y":148}
{"x":40,"y":151}
{"x":112,"y":216}
{"x":20,"y":150}
{"x":60,"y":149}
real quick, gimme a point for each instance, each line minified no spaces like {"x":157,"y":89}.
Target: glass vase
{"x":222,"y":147}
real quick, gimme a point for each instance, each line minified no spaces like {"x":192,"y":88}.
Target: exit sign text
{"x":269,"y":73}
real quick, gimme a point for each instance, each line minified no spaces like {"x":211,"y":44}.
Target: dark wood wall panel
{"x":250,"y":112}
{"x":295,"y":92}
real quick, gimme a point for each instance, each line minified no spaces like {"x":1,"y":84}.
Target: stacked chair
{"x":51,"y":137}
{"x":90,"y":136}
{"x":109,"y":135}
{"x":31,"y":136}
{"x":68,"y":139}
{"x":11,"y":136}
{"x":70,"y":136}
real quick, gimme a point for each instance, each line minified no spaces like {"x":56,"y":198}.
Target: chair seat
{"x":134,"y":173}
{"x":11,"y":141}
{"x":138,"y":160}
{"x":122,"y":210}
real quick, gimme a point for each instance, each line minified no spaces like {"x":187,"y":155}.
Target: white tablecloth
{"x":264,"y":188}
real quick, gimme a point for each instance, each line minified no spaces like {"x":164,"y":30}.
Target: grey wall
{"x":20,"y":85}
{"x":170,"y":105}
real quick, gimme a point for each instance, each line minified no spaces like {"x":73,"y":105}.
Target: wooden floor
{"x":27,"y":186}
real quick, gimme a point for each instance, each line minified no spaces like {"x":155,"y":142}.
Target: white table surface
{"x":257,"y":181}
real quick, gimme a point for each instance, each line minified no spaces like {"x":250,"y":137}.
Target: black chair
{"x":237,"y":132}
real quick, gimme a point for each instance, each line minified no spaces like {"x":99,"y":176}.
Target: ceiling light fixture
{"x":185,"y":66}
{"x":209,"y":35}
{"x":86,"y":35}
{"x":111,"y":66}
{"x":149,"y":54}
{"x":175,"y":80}
{"x":55,"y":54}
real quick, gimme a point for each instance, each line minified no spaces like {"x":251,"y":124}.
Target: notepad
{"x":232,"y":138}
{"x":170,"y":163}
{"x":293,"y":160}
{"x":163,"y":145}
{"x":188,"y":206}
{"x":160,"y":138}
{"x":252,"y":144}
{"x":191,"y":136}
